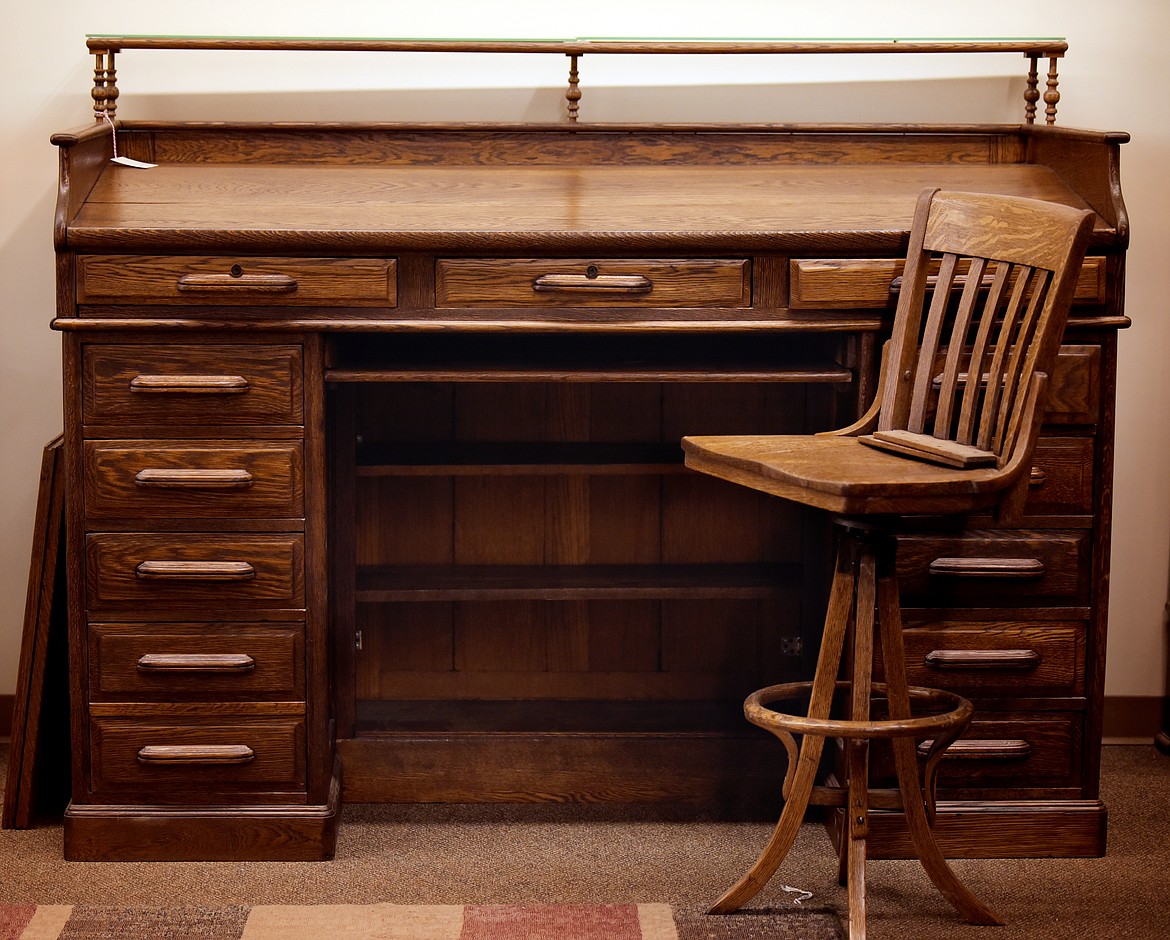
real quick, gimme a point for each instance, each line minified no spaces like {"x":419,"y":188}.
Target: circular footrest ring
{"x":958,"y":711}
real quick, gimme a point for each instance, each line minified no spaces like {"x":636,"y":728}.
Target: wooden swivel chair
{"x":960,"y":401}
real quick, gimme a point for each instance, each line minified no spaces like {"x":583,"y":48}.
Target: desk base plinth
{"x":284,"y":833}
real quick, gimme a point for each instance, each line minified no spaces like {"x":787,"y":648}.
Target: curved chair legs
{"x":799,"y":785}
{"x":863,"y":582}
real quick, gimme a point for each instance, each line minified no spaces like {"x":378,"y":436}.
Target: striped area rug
{"x":409,"y":922}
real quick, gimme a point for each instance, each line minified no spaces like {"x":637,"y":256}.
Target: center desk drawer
{"x":196,"y":661}
{"x":193,"y":384}
{"x":196,"y":479}
{"x":189,"y":752}
{"x":994,"y":568}
{"x":200,"y":571}
{"x":284,"y":282}
{"x":577,"y":282}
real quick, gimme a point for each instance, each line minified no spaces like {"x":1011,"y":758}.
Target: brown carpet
{"x":551,"y":854}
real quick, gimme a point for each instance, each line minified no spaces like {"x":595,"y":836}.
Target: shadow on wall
{"x":996,"y":100}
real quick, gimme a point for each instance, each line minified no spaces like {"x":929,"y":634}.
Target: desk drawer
{"x":864,"y":283}
{"x":193,"y":384}
{"x":185,"y":756}
{"x":194,"y":479}
{"x":200,"y":571}
{"x":1005,"y":751}
{"x":254,"y":282}
{"x":994,"y":568}
{"x":196,"y":661}
{"x":997,"y":659}
{"x":576,"y":282}
{"x":1061,"y":480}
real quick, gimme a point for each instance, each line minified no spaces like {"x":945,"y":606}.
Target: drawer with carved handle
{"x":1060,"y":481}
{"x":988,"y":568}
{"x":870,"y":283}
{"x":196,"y":753}
{"x":196,"y":661}
{"x":202,"y":572}
{"x":1074,"y":388}
{"x":582,"y":282}
{"x":197,"y":479}
{"x":188,"y":384}
{"x":218,"y":280}
{"x":1003,"y":751}
{"x":996,"y":658}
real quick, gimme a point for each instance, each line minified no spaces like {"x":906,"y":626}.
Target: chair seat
{"x":842,"y":475}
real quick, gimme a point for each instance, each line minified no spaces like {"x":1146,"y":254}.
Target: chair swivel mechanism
{"x":961,"y":396}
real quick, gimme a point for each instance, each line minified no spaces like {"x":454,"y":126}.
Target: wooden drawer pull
{"x":988,"y":567}
{"x":190,"y":384}
{"x":958,"y":283}
{"x":975,"y":749}
{"x":605,"y":283}
{"x":195,"y":662}
{"x":228,"y":479}
{"x":1037,"y":478}
{"x":263,"y":283}
{"x":174,"y":754}
{"x":982,"y":659}
{"x":195,"y":570}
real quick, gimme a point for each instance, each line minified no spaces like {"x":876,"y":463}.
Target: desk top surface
{"x":773,"y":206}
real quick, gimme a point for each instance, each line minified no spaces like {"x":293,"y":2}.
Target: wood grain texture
{"x":148,"y":831}
{"x":194,"y":479}
{"x":272,"y":382}
{"x":277,"y":760}
{"x":276,"y":562}
{"x":853,"y":283}
{"x":488,"y":471}
{"x":463,"y":282}
{"x":774,"y":207}
{"x":287,"y":282}
{"x":117,"y":652}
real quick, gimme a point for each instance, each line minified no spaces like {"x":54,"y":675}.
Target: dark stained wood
{"x":591,"y":282}
{"x":533,"y":768}
{"x":217,"y":661}
{"x":38,"y":772}
{"x":201,"y":479}
{"x":145,"y":832}
{"x":214,"y":573}
{"x":1000,"y":829}
{"x":193,"y":384}
{"x":122,"y":279}
{"x":479,"y":469}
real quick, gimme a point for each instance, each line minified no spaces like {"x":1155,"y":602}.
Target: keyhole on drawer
{"x":237,"y":270}
{"x":591,"y":271}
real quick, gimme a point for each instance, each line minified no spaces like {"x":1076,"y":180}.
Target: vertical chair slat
{"x":949,"y":387}
{"x":1023,"y":354}
{"x":903,"y":345}
{"x":972,"y":391}
{"x":993,"y":393}
{"x":931,"y":339}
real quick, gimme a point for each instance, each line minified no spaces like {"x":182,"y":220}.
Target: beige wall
{"x":1115,"y":77}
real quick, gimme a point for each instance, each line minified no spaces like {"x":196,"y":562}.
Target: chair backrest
{"x":985,"y":296}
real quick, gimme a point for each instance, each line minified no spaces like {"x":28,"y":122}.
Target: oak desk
{"x":376,"y":494}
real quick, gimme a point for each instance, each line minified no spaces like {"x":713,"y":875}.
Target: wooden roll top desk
{"x":375,"y":490}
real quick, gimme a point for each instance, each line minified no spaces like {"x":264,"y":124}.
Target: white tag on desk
{"x":137,"y":164}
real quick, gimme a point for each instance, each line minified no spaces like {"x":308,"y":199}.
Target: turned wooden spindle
{"x":1032,"y":92}
{"x":105,"y":88}
{"x":1052,"y":95}
{"x":573,"y":93}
